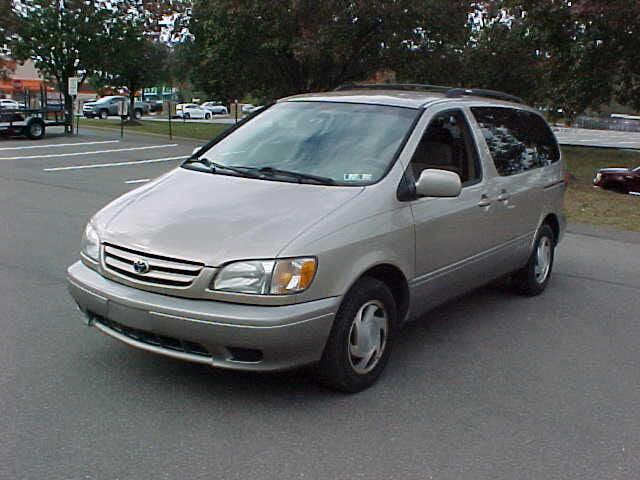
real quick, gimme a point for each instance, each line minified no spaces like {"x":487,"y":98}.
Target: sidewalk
{"x":597,"y":138}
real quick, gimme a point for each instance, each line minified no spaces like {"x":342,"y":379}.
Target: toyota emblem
{"x":141,"y":266}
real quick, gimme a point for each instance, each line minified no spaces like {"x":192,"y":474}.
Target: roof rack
{"x":450,"y":92}
{"x":393,"y":86}
{"x":482,"y":92}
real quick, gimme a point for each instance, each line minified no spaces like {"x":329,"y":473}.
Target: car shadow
{"x":425,"y":341}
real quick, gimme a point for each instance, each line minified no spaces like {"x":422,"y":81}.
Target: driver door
{"x":453,"y":236}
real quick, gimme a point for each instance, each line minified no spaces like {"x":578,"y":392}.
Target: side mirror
{"x":438,"y":183}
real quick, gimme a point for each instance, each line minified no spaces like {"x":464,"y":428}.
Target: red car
{"x":623,"y":180}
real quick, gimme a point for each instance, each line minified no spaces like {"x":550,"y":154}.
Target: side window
{"x":447,"y":144}
{"x":518,"y":140}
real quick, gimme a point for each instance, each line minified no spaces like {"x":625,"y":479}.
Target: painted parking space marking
{"x":95,"y":152}
{"x":58,"y":145}
{"x":140,"y":180}
{"x":114,"y":164}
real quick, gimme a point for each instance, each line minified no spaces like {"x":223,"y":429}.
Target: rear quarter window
{"x":518,"y":140}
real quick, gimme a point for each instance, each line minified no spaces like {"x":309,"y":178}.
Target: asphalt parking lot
{"x":491,"y":386}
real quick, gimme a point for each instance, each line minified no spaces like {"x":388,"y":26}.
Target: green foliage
{"x":131,"y":59}
{"x":558,"y":54}
{"x":273,"y":48}
{"x":623,"y":26}
{"x":64,"y":38}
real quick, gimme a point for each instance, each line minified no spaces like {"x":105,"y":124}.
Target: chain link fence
{"x":612,"y":123}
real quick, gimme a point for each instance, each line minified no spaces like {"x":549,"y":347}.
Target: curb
{"x":600,"y":147}
{"x":144,"y":134}
{"x":604,"y":233}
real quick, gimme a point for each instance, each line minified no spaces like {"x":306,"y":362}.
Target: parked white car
{"x":192,"y":110}
{"x":215,"y":108}
{"x":8,"y":104}
{"x":248,"y":108}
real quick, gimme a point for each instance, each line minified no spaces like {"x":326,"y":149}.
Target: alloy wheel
{"x":368,"y":337}
{"x":543,"y":259}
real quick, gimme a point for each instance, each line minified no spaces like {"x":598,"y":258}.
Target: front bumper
{"x":241,"y":337}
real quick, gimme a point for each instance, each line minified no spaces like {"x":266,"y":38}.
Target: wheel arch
{"x":397,"y":283}
{"x":552,"y":220}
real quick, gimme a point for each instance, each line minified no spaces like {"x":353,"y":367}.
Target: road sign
{"x":73,"y":86}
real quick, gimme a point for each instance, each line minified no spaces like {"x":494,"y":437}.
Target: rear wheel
{"x":361,"y":339}
{"x":207,"y":116}
{"x":617,"y":187}
{"x":35,"y":130}
{"x":137,"y":114}
{"x":532,"y":279}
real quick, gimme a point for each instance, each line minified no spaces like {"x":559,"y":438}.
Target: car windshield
{"x":349,"y":144}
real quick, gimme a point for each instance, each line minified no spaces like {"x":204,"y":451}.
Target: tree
{"x":65,"y":38}
{"x":622,"y":25}
{"x":575,"y":57}
{"x":429,"y":49}
{"x":274,"y":48}
{"x":139,"y":62}
{"x":6,"y":20}
{"x":132,"y":59}
{"x":499,"y":56}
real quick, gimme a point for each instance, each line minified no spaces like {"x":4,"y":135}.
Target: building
{"x":24,"y":80}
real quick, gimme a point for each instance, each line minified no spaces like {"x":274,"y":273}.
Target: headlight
{"x":266,"y":277}
{"x":91,"y":242}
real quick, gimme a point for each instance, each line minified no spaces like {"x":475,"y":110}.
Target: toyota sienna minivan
{"x":311,"y":232}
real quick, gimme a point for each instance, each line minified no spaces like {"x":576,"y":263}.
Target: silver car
{"x":336,"y":218}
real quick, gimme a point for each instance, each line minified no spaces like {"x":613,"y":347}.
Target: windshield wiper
{"x":270,"y":171}
{"x":214,"y":167}
{"x":260,"y":172}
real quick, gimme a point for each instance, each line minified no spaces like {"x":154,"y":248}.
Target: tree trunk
{"x":132,"y":103}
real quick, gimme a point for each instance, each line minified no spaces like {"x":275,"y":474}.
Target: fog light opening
{"x":244,"y":355}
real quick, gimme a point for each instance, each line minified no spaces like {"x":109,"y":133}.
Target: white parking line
{"x":95,"y":152}
{"x":58,"y":145}
{"x":140,"y":180}
{"x":115,"y":164}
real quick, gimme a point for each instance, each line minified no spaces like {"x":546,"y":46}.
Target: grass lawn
{"x":586,"y":204}
{"x":202,"y":131}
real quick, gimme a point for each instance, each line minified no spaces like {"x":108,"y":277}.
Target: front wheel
{"x":137,"y":114}
{"x":104,"y":114}
{"x":533,"y":278}
{"x":207,"y":116}
{"x":361,"y":339}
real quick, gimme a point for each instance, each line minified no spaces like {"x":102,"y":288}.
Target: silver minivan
{"x":309,"y":233}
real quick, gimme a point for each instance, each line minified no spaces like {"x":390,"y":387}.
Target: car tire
{"x":104,"y":114}
{"x":367,"y":319}
{"x":186,"y":116}
{"x":35,"y":129}
{"x":533,"y":278}
{"x":137,"y":114}
{"x":207,"y":116}
{"x":617,"y":187}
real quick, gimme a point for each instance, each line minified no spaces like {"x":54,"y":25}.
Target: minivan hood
{"x":214,"y":218}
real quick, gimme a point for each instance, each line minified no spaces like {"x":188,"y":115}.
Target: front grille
{"x":154,"y":339}
{"x":161,"y":271}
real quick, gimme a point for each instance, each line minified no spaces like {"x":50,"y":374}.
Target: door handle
{"x":504,"y":196}
{"x":484,"y":201}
